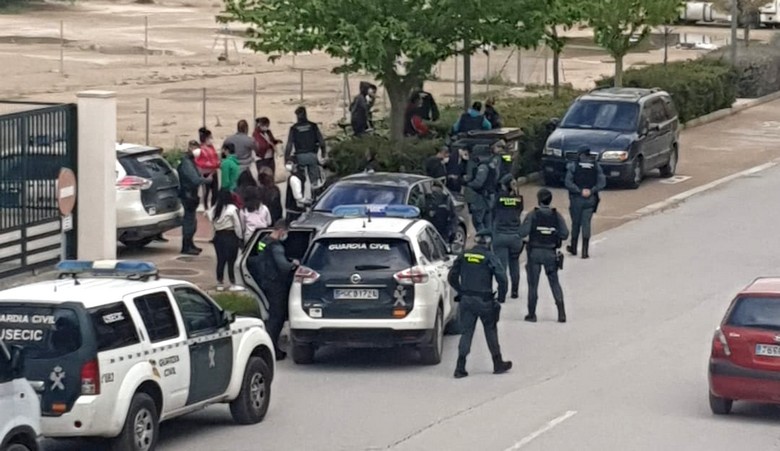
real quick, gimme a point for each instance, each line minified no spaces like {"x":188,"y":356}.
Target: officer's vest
{"x":585,"y":175}
{"x":305,"y":137}
{"x":506,"y":165}
{"x":267,"y":264}
{"x":469,"y":122}
{"x":491,"y":182}
{"x":544,"y":230}
{"x":476,"y":275}
{"x":290,"y":205}
{"x":508,"y":209}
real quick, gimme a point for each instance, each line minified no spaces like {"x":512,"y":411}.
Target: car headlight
{"x":553,"y":151}
{"x":614,"y":155}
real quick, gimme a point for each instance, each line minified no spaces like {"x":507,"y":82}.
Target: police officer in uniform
{"x":584,"y":180}
{"x":546,"y":230}
{"x":273,"y":271}
{"x":507,"y":242}
{"x":481,"y":183}
{"x":307,"y":141}
{"x":472,"y":277}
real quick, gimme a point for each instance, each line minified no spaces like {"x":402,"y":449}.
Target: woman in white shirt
{"x":254,"y":215}
{"x":228,"y":234}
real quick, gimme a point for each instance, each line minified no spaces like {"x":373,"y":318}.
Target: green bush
{"x":407,"y":155}
{"x":758,"y":68}
{"x":173,"y":156}
{"x":240,"y":304}
{"x":698,"y":87}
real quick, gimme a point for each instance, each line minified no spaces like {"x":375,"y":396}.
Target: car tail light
{"x":411,"y":276}
{"x":306,"y":276}
{"x":720,"y":347}
{"x":90,"y":378}
{"x":133,"y":183}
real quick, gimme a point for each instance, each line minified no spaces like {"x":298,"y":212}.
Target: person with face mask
{"x":481,"y":183}
{"x":584,"y":180}
{"x":273,"y":271}
{"x":436,"y":166}
{"x":208,"y":162}
{"x":190,"y":181}
{"x":266,"y":144}
{"x":507,"y":242}
{"x":295,"y":200}
{"x":306,"y":140}
{"x":472,"y":277}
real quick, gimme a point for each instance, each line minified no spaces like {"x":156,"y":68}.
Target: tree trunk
{"x":666,"y":45}
{"x":556,"y":62}
{"x":747,"y":34}
{"x":618,"y":71}
{"x":398,"y":92}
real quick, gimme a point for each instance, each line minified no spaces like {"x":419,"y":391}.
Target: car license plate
{"x":355,"y":294}
{"x":768,"y":350}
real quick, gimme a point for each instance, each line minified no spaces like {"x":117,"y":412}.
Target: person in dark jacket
{"x":307,"y":141}
{"x":273,"y":271}
{"x":491,"y":114}
{"x":266,"y":144}
{"x":360,"y":109}
{"x":507,"y":242}
{"x":190,"y":182}
{"x":436,"y":165}
{"x":428,"y":108}
{"x":473,"y":119}
{"x":271,"y":196}
{"x":585,"y":180}
{"x":414,"y":125}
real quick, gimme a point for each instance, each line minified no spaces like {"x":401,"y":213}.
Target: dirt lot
{"x":103,"y":48}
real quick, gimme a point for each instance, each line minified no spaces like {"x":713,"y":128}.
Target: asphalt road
{"x":628,"y":372}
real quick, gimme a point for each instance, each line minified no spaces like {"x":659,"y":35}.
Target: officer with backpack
{"x":546,"y":230}
{"x":584,"y":180}
{"x":481,"y":184}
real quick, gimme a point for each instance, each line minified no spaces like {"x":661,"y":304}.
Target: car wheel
{"x":252,"y":403}
{"x":459,"y":240}
{"x":431,"y":353}
{"x":16,"y":447}
{"x":453,"y":327}
{"x":142,"y":426}
{"x":637,"y":173}
{"x":671,"y":167}
{"x":302,"y":353}
{"x":137,"y":244}
{"x":720,"y":406}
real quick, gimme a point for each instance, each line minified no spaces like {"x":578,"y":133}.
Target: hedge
{"x":407,"y":155}
{"x":758,"y":68}
{"x":698,"y":87}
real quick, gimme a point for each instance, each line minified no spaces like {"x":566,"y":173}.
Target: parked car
{"x":20,"y":411}
{"x":630,"y":131}
{"x":745,"y":357}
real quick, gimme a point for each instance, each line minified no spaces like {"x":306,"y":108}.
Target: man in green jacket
{"x":230,"y":167}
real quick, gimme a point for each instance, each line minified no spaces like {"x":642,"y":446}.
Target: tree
{"x":748,"y":12}
{"x":397,"y":41}
{"x":620,"y":25}
{"x":562,"y":13}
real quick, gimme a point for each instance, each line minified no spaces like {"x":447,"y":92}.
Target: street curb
{"x":693,"y":123}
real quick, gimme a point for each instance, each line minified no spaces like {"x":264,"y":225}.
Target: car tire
{"x":459,"y":240}
{"x":670,"y":168}
{"x":720,"y":406}
{"x":453,"y":327}
{"x":137,"y":244}
{"x":253,"y":400}
{"x":142,"y":426}
{"x":17,"y":447}
{"x":637,"y":173}
{"x":302,"y":353}
{"x":430,"y":353}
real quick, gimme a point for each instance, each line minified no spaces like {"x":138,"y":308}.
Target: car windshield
{"x":44,"y":332}
{"x":351,"y":194}
{"x":599,"y":115}
{"x":756,"y":312}
{"x":361,"y":254}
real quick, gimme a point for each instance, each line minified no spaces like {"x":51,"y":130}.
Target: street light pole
{"x":466,"y":77}
{"x":734,"y":14}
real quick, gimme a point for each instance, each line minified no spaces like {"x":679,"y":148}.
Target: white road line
{"x":700,"y":189}
{"x":550,"y":425}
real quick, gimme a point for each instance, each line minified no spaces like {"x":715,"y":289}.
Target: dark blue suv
{"x":631,"y":131}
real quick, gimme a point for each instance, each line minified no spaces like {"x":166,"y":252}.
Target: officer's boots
{"x":585,"y":243}
{"x":561,"y":312}
{"x":499,"y":366}
{"x":460,"y":369}
{"x":572,"y":247}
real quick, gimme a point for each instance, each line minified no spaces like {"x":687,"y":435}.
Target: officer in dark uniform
{"x":507,"y":242}
{"x":546,"y":230}
{"x":481,"y":185}
{"x":584,"y":180}
{"x":307,"y":140}
{"x":295,"y":201}
{"x":472,"y":277}
{"x":273,"y":271}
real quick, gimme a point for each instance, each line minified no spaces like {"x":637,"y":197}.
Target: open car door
{"x":296,"y":245}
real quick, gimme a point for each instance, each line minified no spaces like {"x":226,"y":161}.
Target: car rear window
{"x":360,"y":254}
{"x":145,"y":165}
{"x":756,"y":312}
{"x":44,"y":332}
{"x":352,"y":194}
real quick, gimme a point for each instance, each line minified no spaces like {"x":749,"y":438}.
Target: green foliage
{"x":698,"y":87}
{"x":404,"y":155}
{"x":240,"y":304}
{"x":562,"y":13}
{"x":758,"y":68}
{"x":174,"y":156}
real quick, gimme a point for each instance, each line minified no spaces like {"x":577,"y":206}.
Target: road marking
{"x":549,"y":426}
{"x":676,"y":179}
{"x":700,"y":189}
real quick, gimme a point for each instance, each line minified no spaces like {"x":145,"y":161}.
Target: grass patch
{"x":238,"y":303}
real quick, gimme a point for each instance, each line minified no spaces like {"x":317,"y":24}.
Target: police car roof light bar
{"x":129,"y":269}
{"x":377,"y":211}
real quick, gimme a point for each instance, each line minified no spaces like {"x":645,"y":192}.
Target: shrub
{"x":407,"y":155}
{"x":240,"y":304}
{"x":698,"y":87}
{"x":173,"y":156}
{"x":758,"y":68}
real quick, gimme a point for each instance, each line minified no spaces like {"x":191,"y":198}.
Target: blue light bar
{"x":377,"y":211}
{"x":104,"y":268}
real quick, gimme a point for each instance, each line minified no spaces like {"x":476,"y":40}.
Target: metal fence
{"x":36,"y":141}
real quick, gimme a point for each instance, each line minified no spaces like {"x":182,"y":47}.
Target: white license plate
{"x":355,"y":294}
{"x":768,"y":350}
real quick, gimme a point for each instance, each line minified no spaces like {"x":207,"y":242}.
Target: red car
{"x":745,"y":358}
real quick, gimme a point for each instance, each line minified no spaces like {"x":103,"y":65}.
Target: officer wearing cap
{"x":584,"y":180}
{"x":472,"y":277}
{"x":546,"y":230}
{"x":507,"y":242}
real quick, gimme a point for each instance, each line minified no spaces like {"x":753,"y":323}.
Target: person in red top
{"x":414,"y":125}
{"x":207,"y":160}
{"x":266,"y":144}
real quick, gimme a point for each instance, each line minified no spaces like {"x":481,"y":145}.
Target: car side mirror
{"x":228,"y":317}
